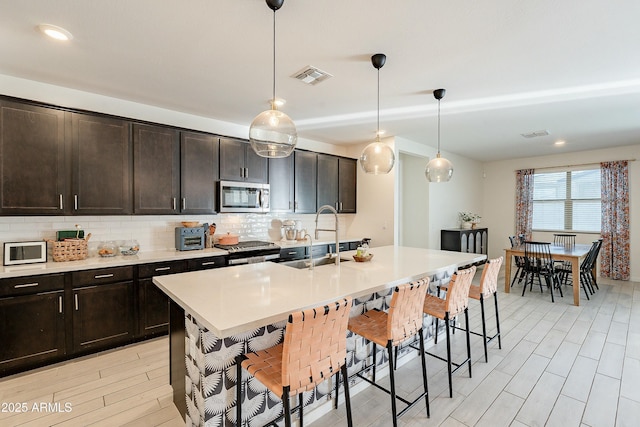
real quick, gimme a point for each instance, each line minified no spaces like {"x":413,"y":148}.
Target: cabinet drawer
{"x":160,"y":268}
{"x":206,"y":263}
{"x":102,"y":275}
{"x":288,"y":254}
{"x":318,"y":251}
{"x":344,"y":246}
{"x":31,"y":285}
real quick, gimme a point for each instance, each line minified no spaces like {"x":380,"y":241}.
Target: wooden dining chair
{"x":539,"y":264}
{"x":314,"y":349}
{"x":519,"y":260}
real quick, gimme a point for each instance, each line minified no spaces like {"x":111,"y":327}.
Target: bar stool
{"x":488,"y":287}
{"x":402,"y":322}
{"x":455,"y":302}
{"x":313,"y":349}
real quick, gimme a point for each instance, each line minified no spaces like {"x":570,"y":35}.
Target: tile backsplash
{"x":155,"y":232}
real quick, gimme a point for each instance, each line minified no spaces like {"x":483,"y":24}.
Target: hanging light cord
{"x":378,"y":129}
{"x":438,"y":128}
{"x":273,"y":100}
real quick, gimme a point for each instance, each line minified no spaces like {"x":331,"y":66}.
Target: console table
{"x":465,"y":240}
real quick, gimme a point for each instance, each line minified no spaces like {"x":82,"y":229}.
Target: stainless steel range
{"x":251,"y":251}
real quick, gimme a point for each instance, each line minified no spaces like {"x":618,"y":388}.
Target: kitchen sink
{"x":304,"y":263}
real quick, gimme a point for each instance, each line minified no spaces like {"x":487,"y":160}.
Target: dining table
{"x":571,"y":253}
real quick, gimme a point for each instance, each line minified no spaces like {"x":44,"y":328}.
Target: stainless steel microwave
{"x":16,"y":253}
{"x":243,"y":197}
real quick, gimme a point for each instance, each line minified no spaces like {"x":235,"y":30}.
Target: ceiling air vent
{"x":311,"y":75}
{"x":535,"y":134}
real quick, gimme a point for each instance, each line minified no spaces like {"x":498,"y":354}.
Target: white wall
{"x":446,"y":199}
{"x":499,"y":196}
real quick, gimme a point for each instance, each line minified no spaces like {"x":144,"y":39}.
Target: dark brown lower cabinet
{"x":154,"y":309}
{"x":32,"y":330}
{"x":103,"y":315}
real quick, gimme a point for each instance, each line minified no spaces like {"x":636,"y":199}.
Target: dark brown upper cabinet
{"x":281,"y":184}
{"x":101,"y":165}
{"x":156,"y":170}
{"x":32,"y":160}
{"x":238,"y":162}
{"x":328,"y":181}
{"x":347,"y":184}
{"x":306,"y":166}
{"x":337,"y":183}
{"x":199,"y":173}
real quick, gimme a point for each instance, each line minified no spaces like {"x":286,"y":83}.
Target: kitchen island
{"x":230,"y":311}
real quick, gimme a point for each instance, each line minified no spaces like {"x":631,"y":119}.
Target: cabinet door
{"x":101,"y":162}
{"x":328,"y":181}
{"x":305,"y":181}
{"x":281,"y":184}
{"x":32,"y":160}
{"x":256,"y":167}
{"x":156,"y":170}
{"x":347,"y":185}
{"x":154,"y":309}
{"x":32,"y":329}
{"x":199,"y":173}
{"x":232,"y":159}
{"x":103,"y":315}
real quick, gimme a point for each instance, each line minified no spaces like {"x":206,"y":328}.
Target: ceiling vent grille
{"x":535,"y":134}
{"x":311,"y":75}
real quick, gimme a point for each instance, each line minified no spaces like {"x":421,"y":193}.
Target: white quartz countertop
{"x":236,"y":299}
{"x":142,"y":257}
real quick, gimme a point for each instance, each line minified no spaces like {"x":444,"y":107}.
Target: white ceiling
{"x":571,"y":67}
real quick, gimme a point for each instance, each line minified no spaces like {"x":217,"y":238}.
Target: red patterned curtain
{"x":614,"y":255}
{"x":524,"y":202}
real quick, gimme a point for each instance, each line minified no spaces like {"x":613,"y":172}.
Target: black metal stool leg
{"x":287,"y":407}
{"x":446,"y":322}
{"x":239,"y":391}
{"x":424,"y":372}
{"x":484,"y":328}
{"x":347,"y":396}
{"x":392,"y":381}
{"x":495,"y":298}
{"x":466,"y":319}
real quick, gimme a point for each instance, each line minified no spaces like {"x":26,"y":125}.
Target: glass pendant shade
{"x":273,"y":134}
{"x":377,"y":158}
{"x":439,"y":169}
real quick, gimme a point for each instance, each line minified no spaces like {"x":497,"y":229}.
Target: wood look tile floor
{"x":559,"y":365}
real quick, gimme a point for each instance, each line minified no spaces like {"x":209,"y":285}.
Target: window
{"x":567,"y":201}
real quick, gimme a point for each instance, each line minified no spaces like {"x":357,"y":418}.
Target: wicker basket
{"x":365,"y":258}
{"x":70,"y":249}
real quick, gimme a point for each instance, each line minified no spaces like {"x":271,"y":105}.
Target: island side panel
{"x":211,"y":381}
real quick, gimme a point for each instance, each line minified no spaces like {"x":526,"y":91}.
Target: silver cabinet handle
{"x":60,"y":304}
{"x":340,"y":205}
{"x":103,"y":276}
{"x":163,"y":268}
{"x":246,"y":172}
{"x":289,"y":204}
{"x":295,"y":205}
{"x":209,"y":263}
{"x":75,"y":202}
{"x":241,"y":172}
{"x":75,"y":300}
{"x":184,"y":203}
{"x":336,"y":205}
{"x":292,"y":253}
{"x":26,"y":285}
{"x":61,"y":204}
{"x":174,"y":203}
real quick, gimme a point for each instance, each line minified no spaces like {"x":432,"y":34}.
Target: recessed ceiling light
{"x":559,"y":143}
{"x":55,"y":32}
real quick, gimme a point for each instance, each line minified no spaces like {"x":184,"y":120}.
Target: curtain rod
{"x":579,"y":164}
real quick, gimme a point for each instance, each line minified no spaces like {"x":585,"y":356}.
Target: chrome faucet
{"x":335,"y":215}
{"x":310,"y":250}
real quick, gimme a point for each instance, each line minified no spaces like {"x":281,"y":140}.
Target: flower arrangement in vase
{"x":468,"y":219}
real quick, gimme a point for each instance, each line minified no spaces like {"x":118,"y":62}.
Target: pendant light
{"x":439,"y":169}
{"x":377,"y":158}
{"x":272,"y":133}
